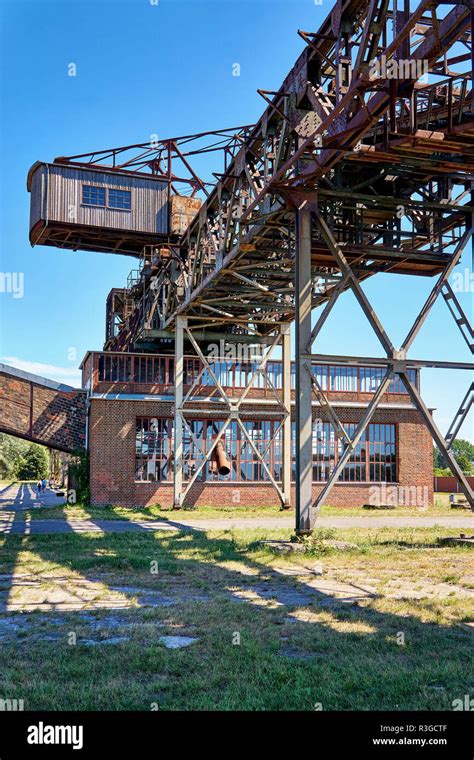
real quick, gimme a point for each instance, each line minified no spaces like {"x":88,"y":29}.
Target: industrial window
{"x":373,"y":459}
{"x":150,"y":370}
{"x":113,"y":368}
{"x":232,"y":374}
{"x":244,"y":464}
{"x":324,"y":450}
{"x":371,"y":377}
{"x":397,"y":385}
{"x":143,"y":370}
{"x":382,"y":453}
{"x":205,"y":432}
{"x":356,"y":468}
{"x":155,"y":439}
{"x":153,"y":449}
{"x":153,"y":369}
{"x":332,"y":378}
{"x":93,"y":196}
{"x":120,"y":199}
{"x":266,"y":436}
{"x":343,"y":378}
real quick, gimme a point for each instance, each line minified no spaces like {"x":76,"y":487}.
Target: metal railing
{"x":146,"y":371}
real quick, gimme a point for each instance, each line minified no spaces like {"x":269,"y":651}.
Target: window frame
{"x":364,"y":456}
{"x":118,"y":190}
{"x":106,"y":191}
{"x":95,"y":188}
{"x":162,"y":445}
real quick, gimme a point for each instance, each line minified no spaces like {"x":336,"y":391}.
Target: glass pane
{"x":93,"y":196}
{"x":120,"y":199}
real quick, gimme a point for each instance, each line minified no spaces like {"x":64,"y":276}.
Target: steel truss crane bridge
{"x":361,"y":163}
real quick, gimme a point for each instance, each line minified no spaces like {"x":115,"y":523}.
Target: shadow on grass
{"x":297,"y":640}
{"x":438,"y":544}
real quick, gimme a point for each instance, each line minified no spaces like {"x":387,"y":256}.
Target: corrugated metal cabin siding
{"x":149,"y":200}
{"x":38,"y":197}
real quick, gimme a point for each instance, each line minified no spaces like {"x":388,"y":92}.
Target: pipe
{"x":223,"y":465}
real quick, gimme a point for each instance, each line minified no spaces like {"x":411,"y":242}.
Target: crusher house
{"x":131,"y":433}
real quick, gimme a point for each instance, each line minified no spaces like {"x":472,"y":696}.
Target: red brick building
{"x":130,"y":434}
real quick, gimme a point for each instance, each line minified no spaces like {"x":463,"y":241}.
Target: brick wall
{"x":449,"y":484}
{"x":112,"y":441}
{"x":44,"y":415}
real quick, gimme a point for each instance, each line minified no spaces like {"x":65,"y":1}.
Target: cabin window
{"x":120,"y":199}
{"x":93,"y":196}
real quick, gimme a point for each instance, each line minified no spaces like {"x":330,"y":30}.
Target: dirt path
{"x":18,"y":496}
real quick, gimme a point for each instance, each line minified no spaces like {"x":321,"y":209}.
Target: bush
{"x":78,"y":475}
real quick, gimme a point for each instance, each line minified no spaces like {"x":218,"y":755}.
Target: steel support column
{"x":305,"y":516}
{"x":349,"y":448}
{"x":460,"y":416}
{"x":230,"y":406}
{"x":286,"y":389}
{"x":438,"y":438}
{"x":178,"y":402}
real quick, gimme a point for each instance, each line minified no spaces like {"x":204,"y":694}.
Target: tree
{"x":461,"y":447}
{"x":35,"y":464}
{"x":437,"y":458}
{"x":463,"y":452}
{"x":12,"y":453}
{"x":4,"y":466}
{"x":464,"y":462}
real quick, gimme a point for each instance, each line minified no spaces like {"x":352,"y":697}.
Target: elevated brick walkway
{"x":42,"y":410}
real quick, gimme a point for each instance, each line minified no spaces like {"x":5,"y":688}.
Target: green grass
{"x":440,"y":507}
{"x":112,"y":512}
{"x":290,"y":657}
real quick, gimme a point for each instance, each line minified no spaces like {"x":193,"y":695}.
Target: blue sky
{"x":165,"y":68}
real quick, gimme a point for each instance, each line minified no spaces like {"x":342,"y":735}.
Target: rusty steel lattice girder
{"x":324,"y":132}
{"x":396,"y":361}
{"x":361,"y":163}
{"x":230,"y":408}
{"x":365,"y":143}
{"x":359,"y":160}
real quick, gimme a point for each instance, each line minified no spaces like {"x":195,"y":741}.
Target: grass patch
{"x":299,"y":644}
{"x":156,"y":512}
{"x":440,"y":508}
